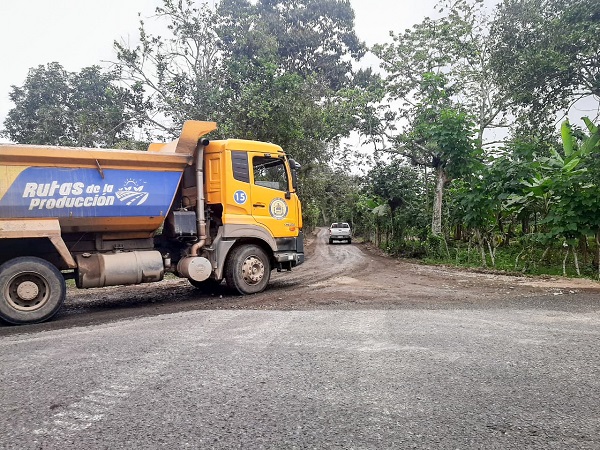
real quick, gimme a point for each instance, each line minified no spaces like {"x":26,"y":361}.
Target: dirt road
{"x":350,"y":276}
{"x":339,"y":276}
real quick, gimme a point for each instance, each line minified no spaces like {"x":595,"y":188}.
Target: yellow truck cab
{"x":203,"y":210}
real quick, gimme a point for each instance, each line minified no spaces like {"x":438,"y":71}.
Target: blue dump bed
{"x":89,"y":189}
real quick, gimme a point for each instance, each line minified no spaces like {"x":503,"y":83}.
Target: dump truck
{"x":205,"y":210}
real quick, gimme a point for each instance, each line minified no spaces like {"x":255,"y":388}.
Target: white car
{"x":340,"y":231}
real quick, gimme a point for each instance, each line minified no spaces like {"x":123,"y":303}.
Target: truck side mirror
{"x":294,"y":166}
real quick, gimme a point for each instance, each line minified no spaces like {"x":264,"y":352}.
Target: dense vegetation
{"x":464,"y":158}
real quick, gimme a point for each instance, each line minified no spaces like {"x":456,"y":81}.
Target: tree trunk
{"x":575,"y":260}
{"x":440,"y":182}
{"x":525,"y":225}
{"x":469,"y":251}
{"x":507,"y":235}
{"x":517,"y":260}
{"x":481,"y":246}
{"x":543,"y":257}
{"x":446,"y":247}
{"x":583,"y":245}
{"x":492,"y":253}
{"x":458,"y":235}
{"x":598,"y":250}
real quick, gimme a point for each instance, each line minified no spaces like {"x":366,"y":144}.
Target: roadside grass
{"x":516,"y":259}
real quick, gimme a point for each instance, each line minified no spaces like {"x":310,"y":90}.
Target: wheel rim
{"x":253,"y":270}
{"x":27,"y":291}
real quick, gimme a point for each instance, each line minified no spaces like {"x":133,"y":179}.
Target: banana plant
{"x":576,"y":214}
{"x":563,"y":191}
{"x":592,"y":142}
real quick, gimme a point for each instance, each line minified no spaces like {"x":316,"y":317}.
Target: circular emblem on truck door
{"x":240,"y":197}
{"x":278,"y":208}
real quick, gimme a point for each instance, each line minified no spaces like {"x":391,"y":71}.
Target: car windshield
{"x":340,"y":225}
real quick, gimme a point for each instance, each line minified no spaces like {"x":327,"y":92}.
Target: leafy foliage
{"x":261,"y":70}
{"x":57,"y":107}
{"x":305,"y":37}
{"x":454,"y":46}
{"x":440,"y":137}
{"x":178,"y":76}
{"x":545,"y":53}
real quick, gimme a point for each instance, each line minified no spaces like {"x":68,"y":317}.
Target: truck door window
{"x":239,"y":161}
{"x":270,"y":173}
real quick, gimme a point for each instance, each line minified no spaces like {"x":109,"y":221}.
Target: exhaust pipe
{"x":200,"y":217}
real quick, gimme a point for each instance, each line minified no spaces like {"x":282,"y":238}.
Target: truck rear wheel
{"x":31,"y":290}
{"x":248,"y":269}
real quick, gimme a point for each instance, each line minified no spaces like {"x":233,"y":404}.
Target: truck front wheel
{"x":31,"y":290}
{"x":247,"y":270}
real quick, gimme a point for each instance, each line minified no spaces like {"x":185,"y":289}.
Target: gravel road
{"x":351,"y":351}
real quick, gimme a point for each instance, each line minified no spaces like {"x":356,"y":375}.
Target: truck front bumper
{"x":290,"y":251}
{"x":295,"y":258}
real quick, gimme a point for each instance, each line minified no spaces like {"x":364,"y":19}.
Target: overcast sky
{"x":80,"y":33}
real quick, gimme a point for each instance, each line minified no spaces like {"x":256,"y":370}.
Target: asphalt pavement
{"x":465,"y":378}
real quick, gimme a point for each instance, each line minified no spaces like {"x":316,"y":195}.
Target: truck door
{"x":272,"y":203}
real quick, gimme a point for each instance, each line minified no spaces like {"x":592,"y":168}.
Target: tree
{"x":575,"y":187}
{"x":56,"y":107}
{"x":440,"y":136}
{"x":262,"y":70}
{"x":329,"y":193}
{"x":397,"y":184}
{"x":455,"y":45}
{"x":177,"y":77}
{"x":562,"y":189}
{"x":40,"y":114}
{"x":311,"y":38}
{"x":99,"y":108}
{"x":400,"y":187}
{"x":545,"y":53}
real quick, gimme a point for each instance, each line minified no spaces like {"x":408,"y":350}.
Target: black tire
{"x":331,"y":241}
{"x":208,"y":286}
{"x":248,"y":269}
{"x":349,"y":241}
{"x":31,"y":290}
